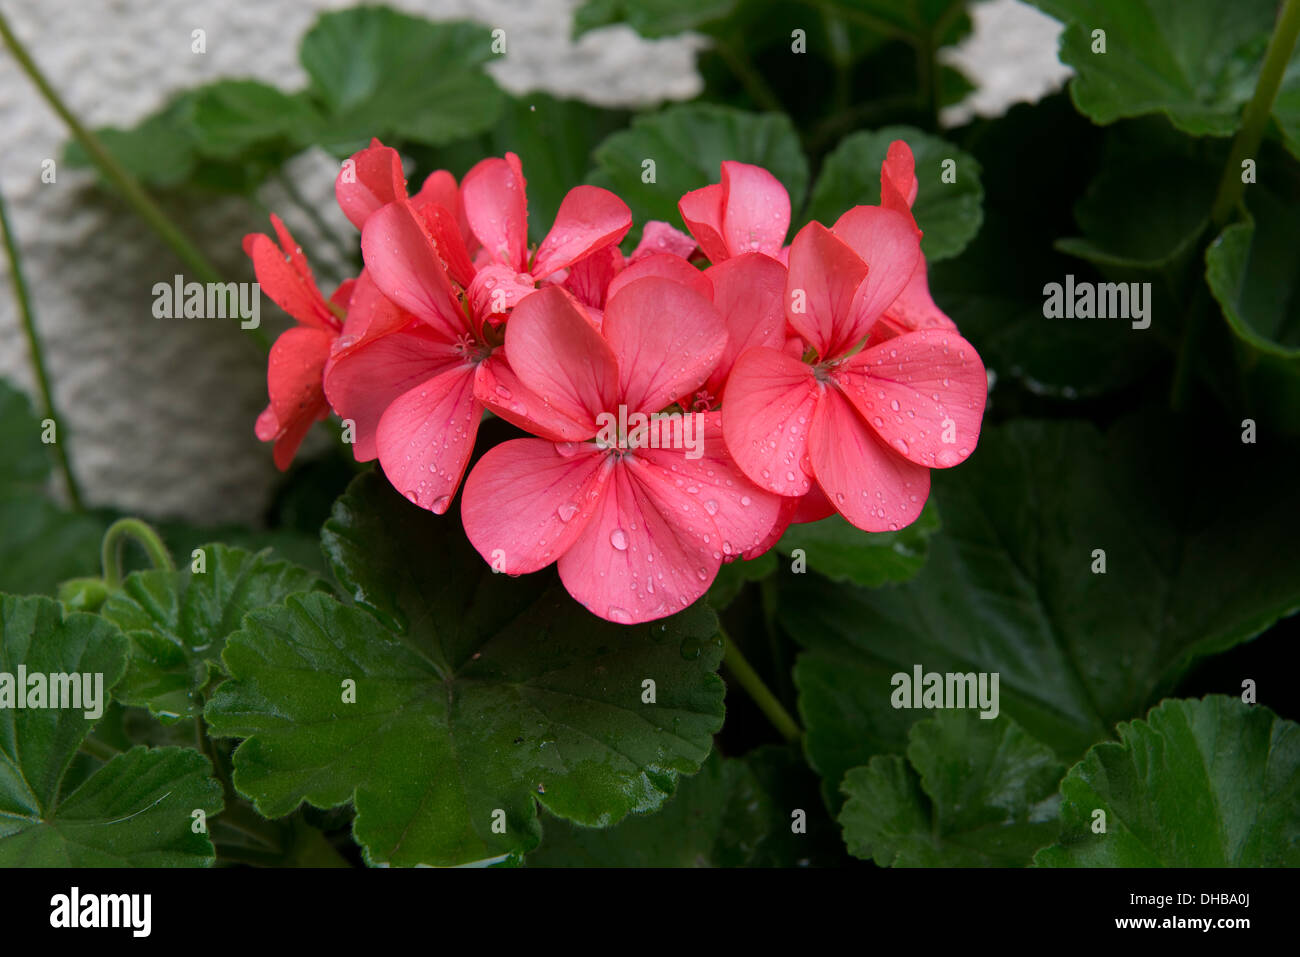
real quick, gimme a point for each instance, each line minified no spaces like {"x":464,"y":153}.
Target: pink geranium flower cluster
{"x":679,"y":417}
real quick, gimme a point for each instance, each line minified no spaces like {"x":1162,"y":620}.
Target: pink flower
{"x":913,"y":309}
{"x":863,"y":426}
{"x":409,"y":385}
{"x":297,"y":360}
{"x":638,"y":532}
{"x":748,"y":212}
{"x":496,"y":208}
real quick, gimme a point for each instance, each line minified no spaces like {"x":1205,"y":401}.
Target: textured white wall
{"x":159,"y":413}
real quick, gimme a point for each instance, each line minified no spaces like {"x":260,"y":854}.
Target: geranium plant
{"x":620,"y":420}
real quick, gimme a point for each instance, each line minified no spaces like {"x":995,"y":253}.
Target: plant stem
{"x":116,"y":537}
{"x":130,"y":189}
{"x":748,"y":679}
{"x":23,"y":300}
{"x":99,"y":749}
{"x":1255,"y":119}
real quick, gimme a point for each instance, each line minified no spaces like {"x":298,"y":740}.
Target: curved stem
{"x":1255,"y":118}
{"x":130,"y":189}
{"x":23,"y":300}
{"x":748,"y":679}
{"x":116,"y":537}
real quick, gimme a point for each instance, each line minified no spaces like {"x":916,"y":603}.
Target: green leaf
{"x":41,"y":545}
{"x":377,"y":72}
{"x":716,"y":819}
{"x":650,"y":18}
{"x":972,"y":793}
{"x":475,"y":694}
{"x":688,"y":144}
{"x":1196,"y":61}
{"x":1252,"y":268}
{"x":158,"y":151}
{"x":25,"y":465}
{"x":834,"y":548}
{"x":178,"y":623}
{"x":136,"y":809}
{"x":1209,"y":783}
{"x":1198,"y":532}
{"x":234,"y":117}
{"x":949,"y":214}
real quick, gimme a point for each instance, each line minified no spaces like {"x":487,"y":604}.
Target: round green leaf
{"x":949,"y":214}
{"x":1014,"y":584}
{"x":834,"y":548}
{"x":477,"y":696}
{"x":972,"y":793}
{"x":377,"y":72}
{"x":178,"y":622}
{"x":1196,"y":61}
{"x":1209,"y":783}
{"x":137,"y":809}
{"x":687,"y":145}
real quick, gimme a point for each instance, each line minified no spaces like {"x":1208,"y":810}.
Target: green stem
{"x":126,"y":184}
{"x":1255,"y":119}
{"x":748,"y":679}
{"x":23,"y":300}
{"x":118,"y":534}
{"x":99,"y":749}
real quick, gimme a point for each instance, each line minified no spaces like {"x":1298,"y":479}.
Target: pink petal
{"x":642,"y":555}
{"x":665,"y":266}
{"x":370,"y":315}
{"x":401,"y":258}
{"x":525,"y":503}
{"x":667,"y":338}
{"x":749,"y":293}
{"x":449,"y":242}
{"x":825,"y":276}
{"x":293,"y":379}
{"x":918,"y":389}
{"x":660,"y":237}
{"x":589,"y":218}
{"x":742,"y":513}
{"x":496,"y":290}
{"x":701,"y":210}
{"x":426,"y":435}
{"x":363,"y":382}
{"x":898,"y":185}
{"x":283,"y":274}
{"x":369,"y":179}
{"x":890,"y":245}
{"x":869,"y":485}
{"x":913,"y":309}
{"x":766,"y":412}
{"x":294,"y":371}
{"x":589,"y":278}
{"x":497,"y":209}
{"x":498,"y":388}
{"x":557,"y":353}
{"x":813,"y":507}
{"x":756,"y":211}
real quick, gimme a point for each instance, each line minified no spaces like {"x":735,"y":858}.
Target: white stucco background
{"x":159,"y":413}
